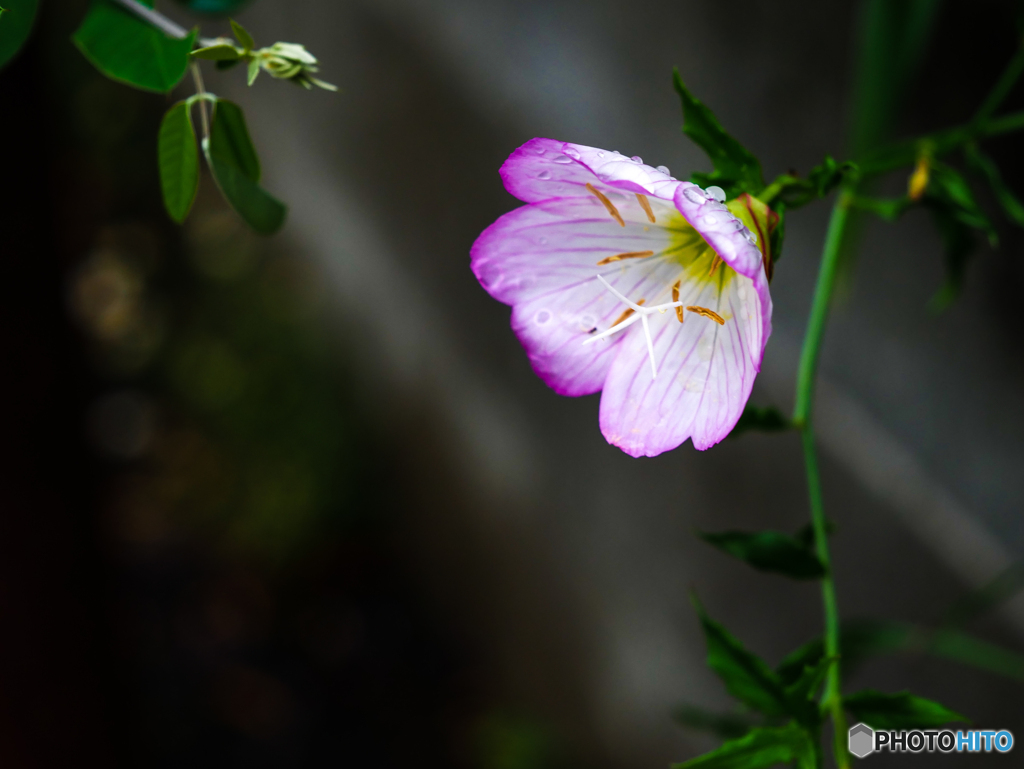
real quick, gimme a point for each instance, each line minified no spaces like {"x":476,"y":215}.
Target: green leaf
{"x":829,"y":175}
{"x":178,"y":161}
{"x":769,"y":551}
{"x":236,"y":170}
{"x":229,"y":139}
{"x":858,"y":640}
{"x":760,"y":748}
{"x":958,"y":245}
{"x":949,"y":188}
{"x":766,"y":419}
{"x":127,"y":49}
{"x":727,"y":726}
{"x":984,"y":165}
{"x":898,"y":711}
{"x":213,"y":7}
{"x":18,"y":18}
{"x":254,"y":71}
{"x":242,"y":36}
{"x":220,"y":52}
{"x":805,"y":536}
{"x":968,"y":650}
{"x":746,"y":676}
{"x":735,"y":169}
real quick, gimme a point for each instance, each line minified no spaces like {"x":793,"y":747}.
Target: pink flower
{"x":626,"y":281}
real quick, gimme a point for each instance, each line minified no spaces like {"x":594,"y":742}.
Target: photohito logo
{"x":863,"y":741}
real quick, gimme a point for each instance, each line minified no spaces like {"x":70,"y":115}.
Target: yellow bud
{"x":918,"y":181}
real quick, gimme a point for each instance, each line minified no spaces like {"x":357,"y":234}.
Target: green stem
{"x":1002,"y":87}
{"x":802,"y":418}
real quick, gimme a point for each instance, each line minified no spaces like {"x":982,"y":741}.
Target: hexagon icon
{"x":862,"y":740}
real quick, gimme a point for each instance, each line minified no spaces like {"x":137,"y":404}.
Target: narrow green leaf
{"x":178,"y":161}
{"x":765,"y":419}
{"x":769,"y":551}
{"x":805,"y":536}
{"x":760,"y":748}
{"x":984,"y":165}
{"x":968,"y":650}
{"x":18,"y":18}
{"x":898,"y":711}
{"x":958,"y":246}
{"x":254,"y":71}
{"x":220,"y":52}
{"x":948,"y":187}
{"x":242,"y":36}
{"x":726,"y":726}
{"x":127,"y":49}
{"x":735,"y":169}
{"x":746,"y":676}
{"x":236,"y":170}
{"x":229,"y":139}
{"x":858,"y":640}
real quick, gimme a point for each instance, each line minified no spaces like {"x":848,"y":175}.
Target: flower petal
{"x":706,"y":370}
{"x":723,"y":231}
{"x":558,"y":243}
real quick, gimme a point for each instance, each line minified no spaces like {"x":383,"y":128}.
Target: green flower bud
{"x":288,"y":61}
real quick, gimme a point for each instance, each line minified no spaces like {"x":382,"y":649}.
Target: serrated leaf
{"x":765,"y":419}
{"x":735,"y":168}
{"x":17,"y":19}
{"x":760,"y":748}
{"x":236,"y":170}
{"x":219,"y":52}
{"x":127,"y":49}
{"x":984,"y":165}
{"x":229,"y":139}
{"x":242,"y":35}
{"x":802,"y":692}
{"x":898,"y":711}
{"x":769,"y":551}
{"x":726,"y":726}
{"x":746,"y":676}
{"x":178,"y":160}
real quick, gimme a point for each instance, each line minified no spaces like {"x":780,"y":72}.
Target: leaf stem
{"x":1002,"y":87}
{"x":159,"y":21}
{"x":202,"y":98}
{"x":832,"y":697}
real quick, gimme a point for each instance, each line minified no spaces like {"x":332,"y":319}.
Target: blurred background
{"x":301,"y":501}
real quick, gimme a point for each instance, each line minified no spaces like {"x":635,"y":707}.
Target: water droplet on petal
{"x":563,"y":159}
{"x":571,"y":152}
{"x":545,"y":174}
{"x":733,"y":225}
{"x":664,"y":170}
{"x":539,"y":150}
{"x":709,"y":220}
{"x":751,"y":237}
{"x":717,"y":193}
{"x":601,"y":153}
{"x":588,"y":321}
{"x":637,"y":159}
{"x":694,"y":195}
{"x":542,"y":240}
{"x":714,"y":205}
{"x":542,"y":317}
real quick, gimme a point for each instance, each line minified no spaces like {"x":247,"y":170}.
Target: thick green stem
{"x":802,"y":417}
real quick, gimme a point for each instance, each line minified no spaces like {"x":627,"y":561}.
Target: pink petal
{"x":723,"y":231}
{"x":706,"y":371}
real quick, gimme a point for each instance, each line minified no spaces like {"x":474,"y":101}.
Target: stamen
{"x":650,"y":346}
{"x":607,"y":204}
{"x":627,"y":255}
{"x":714,"y":264}
{"x":629,"y":311}
{"x":675,"y":298}
{"x":707,"y":314}
{"x":646,"y":206}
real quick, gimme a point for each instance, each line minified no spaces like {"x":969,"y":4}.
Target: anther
{"x":714,"y":264}
{"x":627,"y":255}
{"x":629,"y":311}
{"x":646,"y":206}
{"x":607,"y":204}
{"x":707,"y":314}
{"x":675,"y":298}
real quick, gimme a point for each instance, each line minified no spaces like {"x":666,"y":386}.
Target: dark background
{"x":301,"y":502}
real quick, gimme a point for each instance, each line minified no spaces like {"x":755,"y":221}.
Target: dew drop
{"x":709,"y":219}
{"x":601,"y":153}
{"x":545,"y":174}
{"x":571,"y":152}
{"x":694,"y":195}
{"x":542,"y":241}
{"x":664,"y":170}
{"x":542,"y":317}
{"x":563,"y":159}
{"x":539,"y":150}
{"x":751,"y":237}
{"x":637,"y":159}
{"x":588,"y":321}
{"x":717,"y":193}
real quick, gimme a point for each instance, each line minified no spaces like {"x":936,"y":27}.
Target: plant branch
{"x":202,"y":97}
{"x":159,"y":21}
{"x":802,"y":418}
{"x":1002,"y":87}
